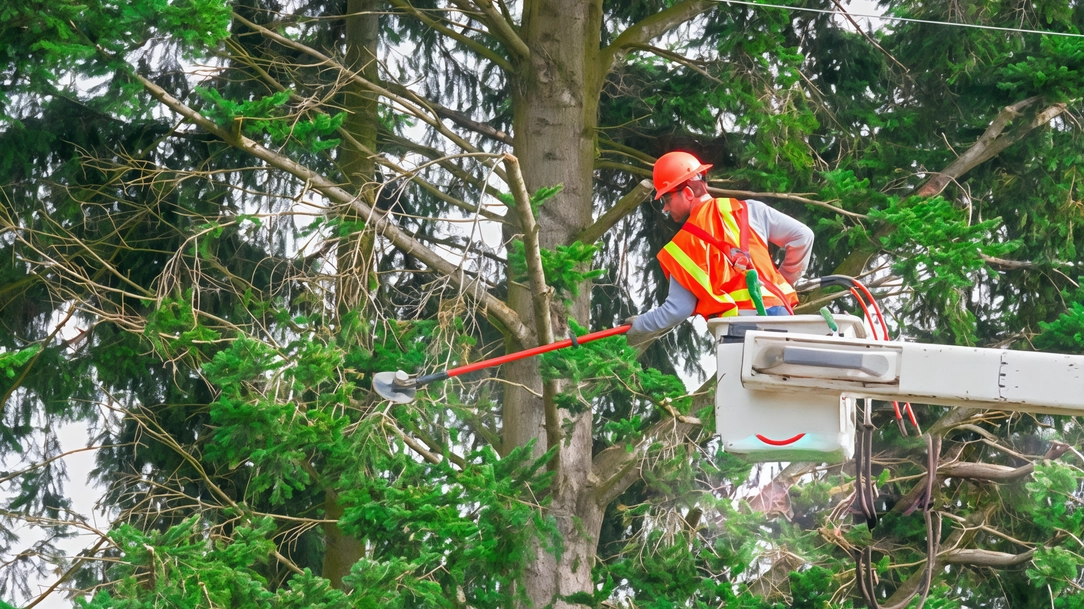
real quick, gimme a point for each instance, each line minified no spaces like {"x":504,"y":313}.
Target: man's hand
{"x":639,"y":339}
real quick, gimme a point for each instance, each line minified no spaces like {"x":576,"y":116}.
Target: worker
{"x":719,"y":242}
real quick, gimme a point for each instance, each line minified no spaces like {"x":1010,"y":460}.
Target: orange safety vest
{"x":709,"y":257}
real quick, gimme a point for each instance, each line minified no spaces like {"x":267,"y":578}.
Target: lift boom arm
{"x":929,"y":374}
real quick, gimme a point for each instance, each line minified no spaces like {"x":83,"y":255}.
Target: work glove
{"x":638,"y":339}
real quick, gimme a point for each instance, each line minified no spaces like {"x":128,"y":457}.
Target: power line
{"x":904,"y":19}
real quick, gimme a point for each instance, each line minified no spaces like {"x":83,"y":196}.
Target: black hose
{"x":828,"y":281}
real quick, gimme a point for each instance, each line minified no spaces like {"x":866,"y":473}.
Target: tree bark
{"x":354,"y":255}
{"x":555,"y":120}
{"x":362,"y":30}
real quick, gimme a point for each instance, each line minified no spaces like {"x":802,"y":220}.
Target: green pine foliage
{"x":608,"y":367}
{"x":566,"y":268}
{"x":187,"y":567}
{"x":265,"y":116}
{"x":939,"y":253}
{"x":173,"y":331}
{"x":11,"y":362}
{"x":440,"y":533}
{"x":1066,"y":333}
{"x":225,"y":316}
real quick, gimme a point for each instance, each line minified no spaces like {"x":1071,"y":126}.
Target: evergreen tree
{"x":221,"y":219}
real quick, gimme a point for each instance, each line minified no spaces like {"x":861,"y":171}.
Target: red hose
{"x":876,"y":308}
{"x":865,"y":311}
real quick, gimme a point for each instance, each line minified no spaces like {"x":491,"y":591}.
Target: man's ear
{"x":688,"y":192}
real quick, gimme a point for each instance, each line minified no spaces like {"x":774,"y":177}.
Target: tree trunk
{"x":362,"y":30}
{"x":555,"y":120}
{"x":341,"y":551}
{"x":355,"y":254}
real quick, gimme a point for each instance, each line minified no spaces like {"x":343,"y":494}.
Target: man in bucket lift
{"x":718,"y":264}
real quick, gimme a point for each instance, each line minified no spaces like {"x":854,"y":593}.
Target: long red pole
{"x":511,"y":357}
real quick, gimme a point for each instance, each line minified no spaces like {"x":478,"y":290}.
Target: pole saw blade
{"x":398,"y":386}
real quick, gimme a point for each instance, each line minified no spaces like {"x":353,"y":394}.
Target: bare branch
{"x":151,"y":428}
{"x":748,"y":194}
{"x":954,"y":554}
{"x":677,"y":57}
{"x":970,"y":470}
{"x":650,"y":28}
{"x":380,"y":222}
{"x":988,"y":529}
{"x":634,"y":170}
{"x":983,"y":558}
{"x":464,"y":121}
{"x":858,"y":28}
{"x":991,"y":143}
{"x":988,"y":146}
{"x":439,"y":110}
{"x":984,"y":471}
{"x":445,"y":162}
{"x":411,"y":442}
{"x":616,"y":468}
{"x":626,"y":204}
{"x":503,"y":30}
{"x":470,"y":43}
{"x":643,"y":157}
{"x":541,"y":292}
{"x":408,"y":104}
{"x":1008,"y":265}
{"x":76,"y":565}
{"x":15,"y":475}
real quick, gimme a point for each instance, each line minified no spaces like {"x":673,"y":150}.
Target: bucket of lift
{"x":769,"y":425}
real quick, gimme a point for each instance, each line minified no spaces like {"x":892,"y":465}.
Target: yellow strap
{"x":730,"y":223}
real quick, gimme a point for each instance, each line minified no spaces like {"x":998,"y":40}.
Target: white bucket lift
{"x":787,"y":385}
{"x":769,"y":425}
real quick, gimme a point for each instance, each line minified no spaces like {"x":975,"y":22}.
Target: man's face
{"x":678,"y":205}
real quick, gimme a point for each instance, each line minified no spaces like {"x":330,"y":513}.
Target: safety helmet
{"x":674,"y":169}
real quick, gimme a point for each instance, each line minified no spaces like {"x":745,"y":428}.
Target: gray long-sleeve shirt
{"x":774,"y":227}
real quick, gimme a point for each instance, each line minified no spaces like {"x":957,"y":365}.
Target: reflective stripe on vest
{"x":730,"y":223}
{"x":702,"y":279}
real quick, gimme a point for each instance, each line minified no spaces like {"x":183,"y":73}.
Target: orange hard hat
{"x":674,"y":169}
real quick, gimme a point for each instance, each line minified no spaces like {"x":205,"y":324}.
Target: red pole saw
{"x":400,"y":387}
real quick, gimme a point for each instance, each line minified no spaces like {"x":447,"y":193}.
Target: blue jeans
{"x":777,"y":310}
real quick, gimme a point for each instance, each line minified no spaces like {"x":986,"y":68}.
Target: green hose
{"x":830,"y":319}
{"x":752,"y":282}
